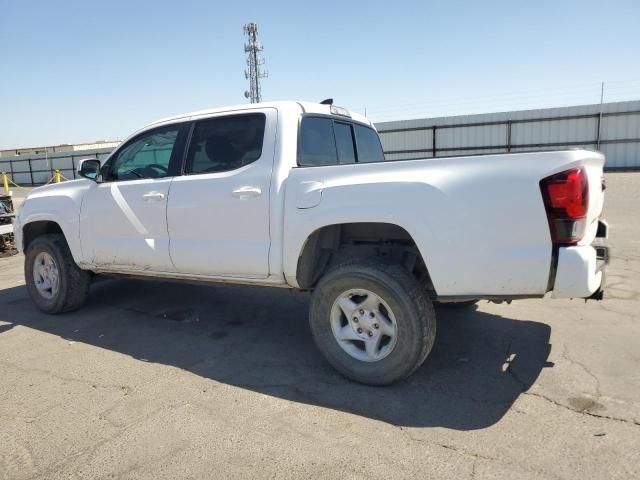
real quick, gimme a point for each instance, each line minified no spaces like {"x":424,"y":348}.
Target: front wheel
{"x":54,"y":281}
{"x":372,"y":321}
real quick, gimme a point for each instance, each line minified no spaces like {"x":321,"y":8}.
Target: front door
{"x":218,"y":211}
{"x":123,"y":219}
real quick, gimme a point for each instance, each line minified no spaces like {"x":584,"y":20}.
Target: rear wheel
{"x":372,"y":321}
{"x":54,"y":281}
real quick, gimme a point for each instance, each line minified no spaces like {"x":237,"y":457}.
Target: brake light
{"x":566,"y":200}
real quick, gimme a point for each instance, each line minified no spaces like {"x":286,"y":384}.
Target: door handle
{"x":247,"y":192}
{"x":152,"y":196}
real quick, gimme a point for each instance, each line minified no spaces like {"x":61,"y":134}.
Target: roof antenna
{"x":328,"y":101}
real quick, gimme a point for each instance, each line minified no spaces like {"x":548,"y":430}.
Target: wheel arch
{"x":36,"y":228}
{"x":330,"y":244}
{"x":42,"y":225}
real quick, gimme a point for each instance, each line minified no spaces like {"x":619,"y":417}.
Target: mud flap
{"x":602,"y":256}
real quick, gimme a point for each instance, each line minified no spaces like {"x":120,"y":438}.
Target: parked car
{"x":6,"y":225}
{"x":299,"y":195}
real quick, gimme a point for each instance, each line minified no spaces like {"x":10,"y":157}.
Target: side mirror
{"x":89,"y":168}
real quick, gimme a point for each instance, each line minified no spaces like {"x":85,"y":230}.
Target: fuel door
{"x":308,"y":194}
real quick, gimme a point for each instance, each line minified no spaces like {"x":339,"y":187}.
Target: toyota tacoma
{"x":299,"y":195}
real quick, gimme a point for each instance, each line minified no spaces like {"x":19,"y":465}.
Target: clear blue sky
{"x":79,"y":71}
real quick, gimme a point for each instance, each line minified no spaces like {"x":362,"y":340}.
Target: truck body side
{"x":478,"y":222}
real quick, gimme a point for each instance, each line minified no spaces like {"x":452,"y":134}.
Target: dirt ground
{"x":162,"y":380}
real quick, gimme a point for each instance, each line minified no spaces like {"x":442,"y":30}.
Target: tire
{"x":71,"y":288}
{"x":401,"y":299}
{"x":458,"y":305}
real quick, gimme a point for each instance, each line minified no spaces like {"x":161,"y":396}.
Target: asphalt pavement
{"x":167,"y":380}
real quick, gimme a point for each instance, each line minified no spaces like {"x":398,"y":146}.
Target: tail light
{"x":566,"y":199}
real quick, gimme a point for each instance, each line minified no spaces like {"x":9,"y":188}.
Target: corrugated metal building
{"x":613,"y":128}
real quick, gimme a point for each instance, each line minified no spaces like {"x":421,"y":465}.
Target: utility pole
{"x":252,"y":48}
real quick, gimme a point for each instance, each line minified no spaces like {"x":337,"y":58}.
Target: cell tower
{"x":254,"y":62}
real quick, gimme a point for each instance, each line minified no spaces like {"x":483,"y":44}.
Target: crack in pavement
{"x":88,"y":453}
{"x":475,"y":456}
{"x":63,"y":378}
{"x":453,"y":448}
{"x":583,"y":412}
{"x":565,"y":355}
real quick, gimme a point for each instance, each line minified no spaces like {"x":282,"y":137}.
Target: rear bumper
{"x":581,"y":272}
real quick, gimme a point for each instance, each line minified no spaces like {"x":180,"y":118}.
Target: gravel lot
{"x":159,"y":380}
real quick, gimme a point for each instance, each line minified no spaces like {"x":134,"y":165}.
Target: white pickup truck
{"x":299,"y":195}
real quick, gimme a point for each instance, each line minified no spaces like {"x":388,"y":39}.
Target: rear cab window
{"x":317,"y":142}
{"x":344,"y":142}
{"x":368,"y":145}
{"x":327,"y":140}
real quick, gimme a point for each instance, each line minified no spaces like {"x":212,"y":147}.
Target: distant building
{"x":59,"y":148}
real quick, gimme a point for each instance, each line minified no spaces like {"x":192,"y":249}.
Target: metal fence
{"x":39,"y":169}
{"x":613,"y":128}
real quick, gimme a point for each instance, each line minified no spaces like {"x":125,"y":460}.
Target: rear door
{"x":218,"y":210}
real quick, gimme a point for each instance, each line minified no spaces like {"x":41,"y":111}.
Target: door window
{"x":226,"y":143}
{"x":147,"y":156}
